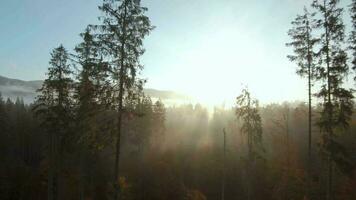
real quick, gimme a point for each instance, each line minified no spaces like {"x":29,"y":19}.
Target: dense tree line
{"x":172,"y":153}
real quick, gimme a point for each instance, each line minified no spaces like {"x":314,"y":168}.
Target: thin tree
{"x":332,"y":70}
{"x":282,"y":123}
{"x":303,"y":44}
{"x":159,"y":120}
{"x":87,"y":94}
{"x":224,"y":167}
{"x":124,"y":26}
{"x":3,"y":117}
{"x":247,"y":111}
{"x":54,"y":106}
{"x":352,"y":37}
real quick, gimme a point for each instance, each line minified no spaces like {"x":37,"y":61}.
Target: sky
{"x":207,"y":49}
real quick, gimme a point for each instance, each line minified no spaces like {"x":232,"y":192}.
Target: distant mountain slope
{"x":4,"y":81}
{"x":13,"y":88}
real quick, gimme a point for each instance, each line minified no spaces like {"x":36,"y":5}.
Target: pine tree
{"x":124,"y":26}
{"x":143,"y":127}
{"x":54,"y":106}
{"x":87,"y":94}
{"x":303,"y":44}
{"x":3,"y":127}
{"x":352,"y":37}
{"x":159,"y":119}
{"x":3,"y":116}
{"x":247,"y":111}
{"x":332,"y":70}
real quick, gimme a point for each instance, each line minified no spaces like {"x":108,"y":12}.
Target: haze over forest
{"x":194,"y":42}
{"x":178,"y":100}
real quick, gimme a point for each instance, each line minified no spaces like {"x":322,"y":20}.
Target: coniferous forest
{"x":93,"y":133}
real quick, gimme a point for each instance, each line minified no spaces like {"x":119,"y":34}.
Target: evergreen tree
{"x":247,"y":111}
{"x":92,"y":89}
{"x":303,"y":44}
{"x":124,"y":26}
{"x":54,"y":107}
{"x":159,"y":119}
{"x":86,"y":97}
{"x":143,"y":132}
{"x":352,"y":38}
{"x":4,"y":118}
{"x":332,"y":70}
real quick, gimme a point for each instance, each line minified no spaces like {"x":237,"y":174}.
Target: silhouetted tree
{"x":247,"y":111}
{"x":303,"y":43}
{"x":352,"y":37}
{"x":332,"y":70}
{"x":87,"y":94}
{"x":159,"y":119}
{"x":54,"y":106}
{"x":124,"y":26}
{"x":3,"y":116}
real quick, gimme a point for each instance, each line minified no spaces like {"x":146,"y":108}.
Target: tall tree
{"x":223,"y":182}
{"x":303,"y":44}
{"x":332,"y":70}
{"x":159,"y":119}
{"x":352,"y":37}
{"x":90,"y":79}
{"x":247,"y":111}
{"x":54,"y":106}
{"x":4,"y":118}
{"x":124,"y":26}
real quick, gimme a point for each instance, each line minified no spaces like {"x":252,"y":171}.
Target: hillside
{"x":13,"y":88}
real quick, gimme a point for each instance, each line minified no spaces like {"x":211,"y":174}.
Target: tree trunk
{"x":223,"y":172}
{"x":249,"y":159}
{"x":82,"y":174}
{"x":51,"y":167}
{"x":329,"y":110}
{"x":118,"y":136}
{"x":120,"y":110}
{"x":309,"y":118}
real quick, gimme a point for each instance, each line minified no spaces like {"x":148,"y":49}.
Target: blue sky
{"x":204,"y":48}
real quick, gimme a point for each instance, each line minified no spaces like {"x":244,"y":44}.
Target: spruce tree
{"x":303,"y":44}
{"x":124,"y":26}
{"x":337,"y":103}
{"x":4,"y":118}
{"x":247,"y":112}
{"x":86,"y":94}
{"x":54,"y":106}
{"x":92,"y":87}
{"x":352,"y":37}
{"x":159,"y":119}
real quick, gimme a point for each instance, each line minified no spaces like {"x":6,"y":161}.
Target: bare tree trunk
{"x":249,"y":159}
{"x":223,"y":174}
{"x":118,"y":140}
{"x":51,"y":167}
{"x":288,"y":152}
{"x":82,"y":174}
{"x":309,"y":132}
{"x":142,"y":172}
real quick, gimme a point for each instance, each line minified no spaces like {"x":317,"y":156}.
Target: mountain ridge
{"x":13,"y":88}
